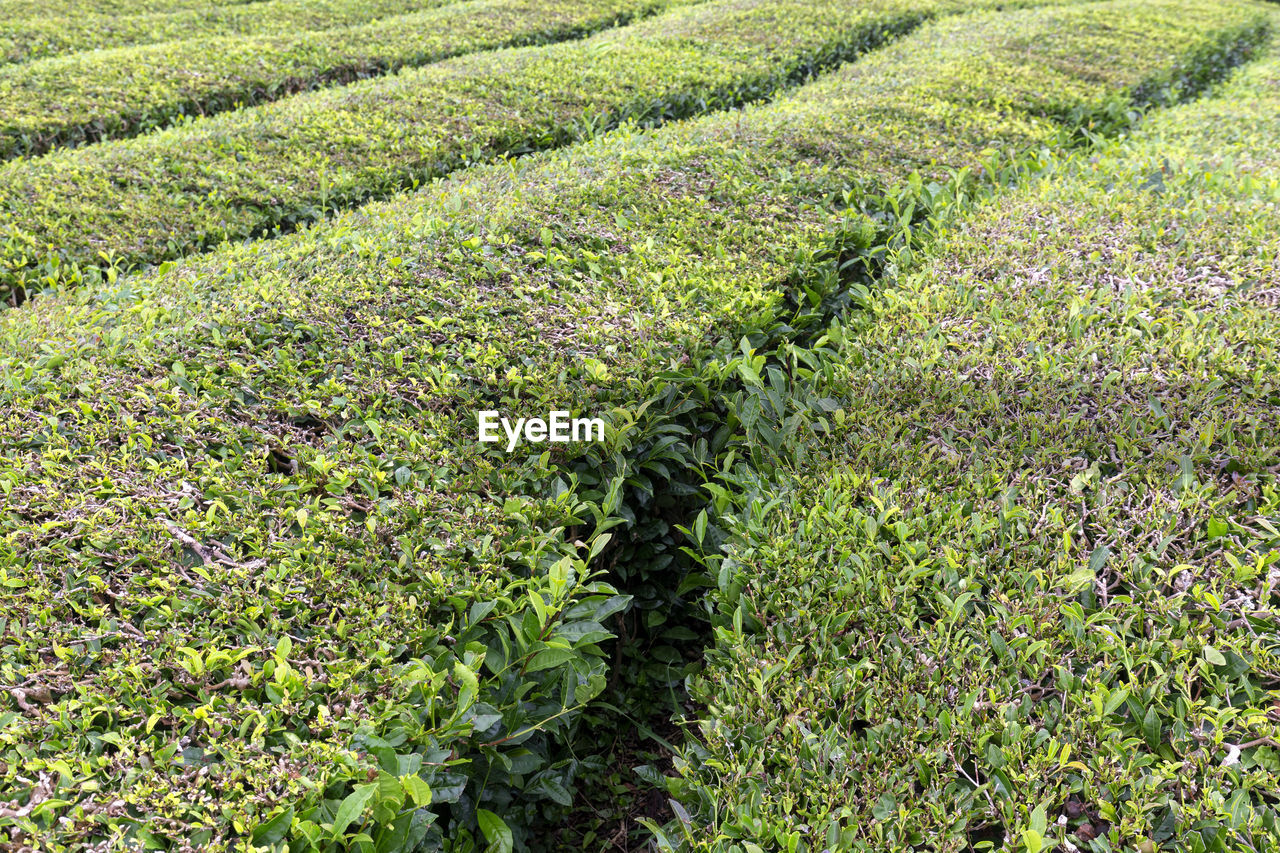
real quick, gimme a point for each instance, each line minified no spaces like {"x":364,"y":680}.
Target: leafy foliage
{"x":280,"y":164}
{"x":109,"y":94}
{"x":1021,"y":595}
{"x":18,"y":9}
{"x":33,"y":30}
{"x":263,"y":586}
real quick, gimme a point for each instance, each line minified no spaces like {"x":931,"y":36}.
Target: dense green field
{"x":937,"y":504}
{"x":1037,"y":588}
{"x":34,"y":32}
{"x":250,"y":171}
{"x":61,"y":101}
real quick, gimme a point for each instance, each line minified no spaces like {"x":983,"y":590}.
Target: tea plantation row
{"x":262,"y":582}
{"x":106,"y":94}
{"x":241,"y":173}
{"x":36,"y":8}
{"x":1027,"y":587}
{"x":34,"y":30}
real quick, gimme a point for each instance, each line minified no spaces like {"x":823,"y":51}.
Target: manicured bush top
{"x":1026,"y":593}
{"x":236,"y":174}
{"x":41,"y":31}
{"x":262,"y":581}
{"x":16,"y":9}
{"x":129,"y":91}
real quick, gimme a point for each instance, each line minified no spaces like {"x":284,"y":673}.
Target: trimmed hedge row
{"x":1024,"y":596}
{"x":247,"y":172}
{"x":46,"y":33}
{"x":261,"y":579}
{"x":127,"y":92}
{"x":14,"y":9}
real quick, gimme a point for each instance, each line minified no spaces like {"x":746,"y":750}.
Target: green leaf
{"x":553,"y":790}
{"x":586,"y":631}
{"x":1039,"y":822}
{"x":1032,"y":840}
{"x":1240,"y":808}
{"x":1214,"y":656}
{"x":598,"y":544}
{"x":1152,"y":731}
{"x":448,"y":788}
{"x":390,"y":791}
{"x":468,"y":685}
{"x":1078,"y":580}
{"x":1236,"y":665}
{"x":352,"y":807}
{"x":884,"y":807}
{"x":1115,"y":700}
{"x":700,"y":527}
{"x":149,"y":841}
{"x":274,"y":830}
{"x":749,"y":374}
{"x":495,"y":831}
{"x":998,"y":645}
{"x":549,"y":658}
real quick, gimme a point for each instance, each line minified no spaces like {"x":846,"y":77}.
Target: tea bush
{"x":1023,"y":595}
{"x":127,"y":92}
{"x":37,"y":30}
{"x":247,"y":172}
{"x":17,"y":9}
{"x":35,"y":8}
{"x":263,"y":586}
